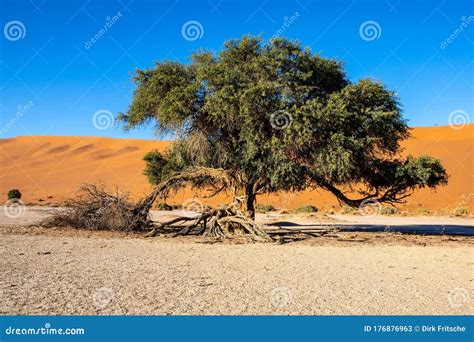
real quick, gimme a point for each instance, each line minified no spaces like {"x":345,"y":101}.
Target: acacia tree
{"x":275,"y":117}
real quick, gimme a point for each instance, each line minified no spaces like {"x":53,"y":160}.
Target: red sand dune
{"x":49,"y":169}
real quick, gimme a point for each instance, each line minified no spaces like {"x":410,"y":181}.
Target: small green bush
{"x":264,"y":208}
{"x":460,"y":211}
{"x":14,"y":194}
{"x":306,"y":209}
{"x":388,"y":210}
{"x":164,"y":206}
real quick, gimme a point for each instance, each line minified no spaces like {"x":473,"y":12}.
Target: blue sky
{"x":54,"y":79}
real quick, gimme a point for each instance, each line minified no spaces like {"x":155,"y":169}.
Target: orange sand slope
{"x":48,"y":169}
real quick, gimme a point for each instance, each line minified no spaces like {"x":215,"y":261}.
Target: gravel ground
{"x":71,"y":272}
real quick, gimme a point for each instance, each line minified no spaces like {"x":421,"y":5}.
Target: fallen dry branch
{"x":97,"y":209}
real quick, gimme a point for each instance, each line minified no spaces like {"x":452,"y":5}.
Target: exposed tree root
{"x":98,"y":209}
{"x":222,"y":222}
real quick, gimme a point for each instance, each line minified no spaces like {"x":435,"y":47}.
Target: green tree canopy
{"x":278,"y":117}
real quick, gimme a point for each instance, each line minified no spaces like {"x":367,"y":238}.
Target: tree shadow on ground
{"x":423,"y":229}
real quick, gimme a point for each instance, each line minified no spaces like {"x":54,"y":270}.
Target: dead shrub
{"x":97,"y":209}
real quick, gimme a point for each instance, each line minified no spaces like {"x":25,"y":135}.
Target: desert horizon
{"x":58,"y":165}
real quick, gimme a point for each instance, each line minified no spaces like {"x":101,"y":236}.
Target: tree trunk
{"x":250,"y":201}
